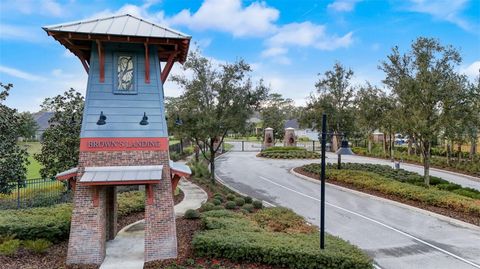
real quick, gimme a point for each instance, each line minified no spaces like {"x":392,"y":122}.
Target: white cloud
{"x":230,"y":16}
{"x":19,"y":74}
{"x":274,"y":51}
{"x":343,"y":5}
{"x":28,"y":7}
{"x":137,"y":11}
{"x":472,"y":70}
{"x":23,"y":33}
{"x":448,"y":10}
{"x":307,"y":34}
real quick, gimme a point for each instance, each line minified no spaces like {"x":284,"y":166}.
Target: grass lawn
{"x":33,"y":169}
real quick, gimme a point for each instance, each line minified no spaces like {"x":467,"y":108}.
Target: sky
{"x":288,"y":43}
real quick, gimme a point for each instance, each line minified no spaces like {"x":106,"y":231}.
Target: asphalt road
{"x":464,"y":180}
{"x":396,"y":236}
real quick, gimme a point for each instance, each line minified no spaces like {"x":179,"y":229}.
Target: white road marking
{"x":379,"y":223}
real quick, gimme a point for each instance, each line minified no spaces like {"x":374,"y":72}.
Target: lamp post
{"x":344,"y":150}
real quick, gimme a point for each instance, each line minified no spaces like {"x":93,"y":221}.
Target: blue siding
{"x":124,"y":112}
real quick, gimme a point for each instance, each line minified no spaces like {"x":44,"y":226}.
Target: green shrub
{"x":230,"y":205}
{"x":218,"y":196}
{"x":231,"y":197}
{"x":233,"y":236}
{"x":9,"y":247}
{"x":130,"y":202}
{"x":403,"y":190}
{"x":281,"y":219}
{"x":207,"y":207}
{"x":216,"y":202}
{"x":192,"y":214}
{"x":239,"y":201}
{"x":51,"y":223}
{"x":257,"y":204}
{"x":248,"y":200}
{"x":248,"y":208}
{"x":199,"y":169}
{"x":37,"y":246}
{"x":218,"y":207}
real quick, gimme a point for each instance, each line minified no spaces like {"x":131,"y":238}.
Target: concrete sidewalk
{"x":126,"y":251}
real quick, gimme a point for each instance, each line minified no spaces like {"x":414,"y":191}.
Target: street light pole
{"x":322,"y":182}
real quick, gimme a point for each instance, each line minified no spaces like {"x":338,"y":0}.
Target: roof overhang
{"x":121,"y":175}
{"x":79,"y":36}
{"x":67,"y":174}
{"x":180,"y":169}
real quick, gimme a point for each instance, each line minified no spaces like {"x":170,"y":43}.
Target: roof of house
{"x":81,"y":36}
{"x":121,"y":175}
{"x":125,"y":24}
{"x":293,"y":123}
{"x":42,"y":118}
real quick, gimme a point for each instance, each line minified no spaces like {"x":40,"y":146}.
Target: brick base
{"x":95,"y":210}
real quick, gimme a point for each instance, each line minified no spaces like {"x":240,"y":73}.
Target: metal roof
{"x":180,"y":167}
{"x":119,"y":175}
{"x":67,"y":173}
{"x":126,"y":25}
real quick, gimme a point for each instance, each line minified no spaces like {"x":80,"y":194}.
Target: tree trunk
{"x":426,"y":162}
{"x":212,"y":161}
{"x":409,"y":147}
{"x":385,"y":144}
{"x":392,"y":145}
{"x":448,"y":153}
{"x":459,"y":148}
{"x":369,"y":145}
{"x":473,"y":148}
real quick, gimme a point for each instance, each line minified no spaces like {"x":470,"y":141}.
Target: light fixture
{"x":343,"y":150}
{"x":144,"y":120}
{"x":178,"y":121}
{"x":101,"y":119}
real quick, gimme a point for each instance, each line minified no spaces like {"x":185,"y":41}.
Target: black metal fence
{"x":35,"y":193}
{"x":257,"y":145}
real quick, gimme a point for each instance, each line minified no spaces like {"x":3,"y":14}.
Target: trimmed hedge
{"x":429,"y":196}
{"x":288,"y":153}
{"x":231,"y":235}
{"x":50,"y":223}
{"x":53,"y":223}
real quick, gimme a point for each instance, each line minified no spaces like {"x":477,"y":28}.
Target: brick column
{"x":160,"y":230}
{"x":111,"y":207}
{"x":87,"y":231}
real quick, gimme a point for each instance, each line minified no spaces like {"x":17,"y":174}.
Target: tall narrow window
{"x":125,"y":73}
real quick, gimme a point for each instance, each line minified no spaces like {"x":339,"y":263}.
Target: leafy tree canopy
{"x":61,"y":141}
{"x":13,"y":158}
{"x":216,"y":100}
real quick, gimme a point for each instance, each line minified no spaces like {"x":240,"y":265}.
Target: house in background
{"x":42,"y":118}
{"x":301,"y":132}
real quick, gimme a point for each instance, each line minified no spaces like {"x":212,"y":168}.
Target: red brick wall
{"x":88,"y":229}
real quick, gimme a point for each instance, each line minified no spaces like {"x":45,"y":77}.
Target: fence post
{"x":243,"y":148}
{"x":313,"y":146}
{"x":18,"y":195}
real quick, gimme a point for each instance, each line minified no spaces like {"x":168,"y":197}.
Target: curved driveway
{"x":396,"y":236}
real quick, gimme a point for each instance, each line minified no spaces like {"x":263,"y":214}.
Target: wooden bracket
{"x":168,"y":67}
{"x":78,"y":53}
{"x":101,"y":57}
{"x":147,"y":64}
{"x":96,"y":197}
{"x":150,"y":195}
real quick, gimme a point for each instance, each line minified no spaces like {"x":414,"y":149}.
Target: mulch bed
{"x":56,"y":255}
{"x":475,"y":220}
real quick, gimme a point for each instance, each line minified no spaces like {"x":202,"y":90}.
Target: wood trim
{"x":147,"y":64}
{"x":101,"y":57}
{"x":150,"y":194}
{"x":124,"y":144}
{"x":117,"y":183}
{"x":67,"y":176}
{"x":168,"y":67}
{"x":76,"y":50}
{"x":179,"y":173}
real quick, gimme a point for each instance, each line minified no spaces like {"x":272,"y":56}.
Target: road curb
{"x":423,"y":211}
{"x":221,"y":181}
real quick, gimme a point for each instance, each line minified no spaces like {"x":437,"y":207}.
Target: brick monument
{"x":289,"y":139}
{"x":268,"y":140}
{"x":124,"y":138}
